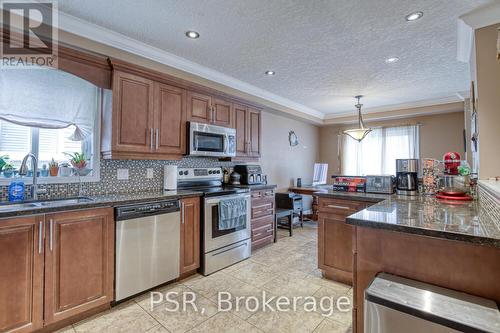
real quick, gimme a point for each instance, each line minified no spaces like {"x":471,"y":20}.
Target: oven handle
{"x":216,"y":200}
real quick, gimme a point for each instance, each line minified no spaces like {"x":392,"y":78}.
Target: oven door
{"x":210,"y":140}
{"x":214,"y":238}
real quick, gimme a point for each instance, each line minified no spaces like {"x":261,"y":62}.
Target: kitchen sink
{"x":43,"y":203}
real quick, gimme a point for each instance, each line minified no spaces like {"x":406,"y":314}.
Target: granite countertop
{"x":257,"y":187}
{"x":367,"y":197}
{"x":110,"y":200}
{"x":427,"y":216}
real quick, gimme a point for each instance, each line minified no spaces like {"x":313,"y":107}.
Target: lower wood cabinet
{"x":262,"y":218}
{"x":54,"y":267}
{"x":21,"y":274}
{"x":190,"y":235}
{"x":79,"y":262}
{"x":335,"y":251}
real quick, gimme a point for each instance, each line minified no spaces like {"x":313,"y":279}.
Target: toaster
{"x":380,"y":184}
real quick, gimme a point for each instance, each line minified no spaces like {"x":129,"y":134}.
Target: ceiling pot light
{"x":192,"y":34}
{"x":414,"y":16}
{"x":270,"y":73}
{"x":391,"y":60}
{"x":359,"y":133}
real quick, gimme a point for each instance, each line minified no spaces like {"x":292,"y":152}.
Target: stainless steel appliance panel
{"x":147,"y":251}
{"x":211,"y":140}
{"x":225,"y":256}
{"x":215,"y":239}
{"x":379,"y":184}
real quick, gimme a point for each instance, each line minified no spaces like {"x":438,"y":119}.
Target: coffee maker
{"x":407,"y":176}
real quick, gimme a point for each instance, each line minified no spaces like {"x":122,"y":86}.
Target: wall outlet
{"x":122,"y":174}
{"x":149,"y":173}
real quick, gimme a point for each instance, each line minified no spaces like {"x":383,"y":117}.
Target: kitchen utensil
{"x":451,"y":163}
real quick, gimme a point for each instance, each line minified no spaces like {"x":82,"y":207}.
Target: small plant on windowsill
{"x":8,"y":170}
{"x":3,"y":161}
{"x":79,"y":162}
{"x":53,"y":168}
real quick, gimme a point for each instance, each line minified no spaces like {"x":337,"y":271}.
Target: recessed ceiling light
{"x":391,"y":60}
{"x":270,"y":73}
{"x":414,"y":16}
{"x":192,"y":34}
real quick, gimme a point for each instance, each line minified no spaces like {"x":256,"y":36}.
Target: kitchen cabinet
{"x":147,"y":121}
{"x":248,"y":132}
{"x":55,"y":267}
{"x":21,"y":274}
{"x":207,"y":109}
{"x":79,"y":262}
{"x":170,"y":119}
{"x":190,"y":236}
{"x":335,"y":253}
{"x":262,"y":218}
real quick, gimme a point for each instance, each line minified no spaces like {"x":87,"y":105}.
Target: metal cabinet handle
{"x":338,"y":207}
{"x":157,"y":138}
{"x":213,"y":114}
{"x":40,"y":236}
{"x":51,"y":240}
{"x":151,"y":137}
{"x":183,"y":212}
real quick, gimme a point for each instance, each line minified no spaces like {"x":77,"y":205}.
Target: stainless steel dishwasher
{"x":147,"y":246}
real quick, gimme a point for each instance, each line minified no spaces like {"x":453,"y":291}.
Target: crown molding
{"x":111,"y":38}
{"x":483,"y":16}
{"x":398,"y":107}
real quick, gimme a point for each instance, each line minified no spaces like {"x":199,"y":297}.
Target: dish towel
{"x":232,"y":213}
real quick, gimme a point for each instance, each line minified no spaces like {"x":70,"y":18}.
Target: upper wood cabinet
{"x":222,"y":113}
{"x":190,"y":235}
{"x":79,"y":262}
{"x":148,"y":120}
{"x":21,"y":274}
{"x":170,"y":119}
{"x":133,"y":113}
{"x":248,"y":132}
{"x":209,"y":110}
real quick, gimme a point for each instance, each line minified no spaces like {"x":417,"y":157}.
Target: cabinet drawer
{"x":262,"y":232}
{"x":261,"y":242}
{"x":263,"y":194}
{"x":267,"y":220}
{"x":264,"y":209}
{"x":340,"y":207}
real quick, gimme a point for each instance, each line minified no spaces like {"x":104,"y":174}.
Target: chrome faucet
{"x":23,"y":171}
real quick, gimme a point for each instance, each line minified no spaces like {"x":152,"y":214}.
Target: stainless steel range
{"x":222,"y":246}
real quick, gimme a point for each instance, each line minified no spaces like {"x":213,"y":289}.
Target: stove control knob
{"x":180,"y":173}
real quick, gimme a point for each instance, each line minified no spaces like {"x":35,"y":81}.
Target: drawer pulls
{"x":263,"y":211}
{"x":338,"y":207}
{"x":40,"y":237}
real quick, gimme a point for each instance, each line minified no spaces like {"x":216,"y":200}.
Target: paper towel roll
{"x":170,"y":178}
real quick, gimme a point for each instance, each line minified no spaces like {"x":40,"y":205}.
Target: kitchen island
{"x":456,"y":246}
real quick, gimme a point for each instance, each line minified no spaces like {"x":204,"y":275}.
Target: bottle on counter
{"x":16,"y":191}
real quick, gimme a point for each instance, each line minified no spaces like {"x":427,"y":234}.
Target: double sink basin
{"x":43,"y":204}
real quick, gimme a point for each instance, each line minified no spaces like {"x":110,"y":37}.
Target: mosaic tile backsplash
{"x":109,"y":182}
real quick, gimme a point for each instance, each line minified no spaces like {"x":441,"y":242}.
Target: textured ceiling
{"x":323,"y":51}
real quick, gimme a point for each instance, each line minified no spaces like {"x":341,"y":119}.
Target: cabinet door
{"x":79,"y":262}
{"x":222,"y":113}
{"x":190,"y":235}
{"x":241,"y":126}
{"x":132,"y":113}
{"x":336,"y":243}
{"x":199,"y":107}
{"x":170,"y":119}
{"x":254,"y":132}
{"x":21,"y":274}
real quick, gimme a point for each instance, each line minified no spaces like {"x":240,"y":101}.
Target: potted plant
{"x":64,"y":169}
{"x":53,"y":168}
{"x":8,"y":170}
{"x":3,"y":161}
{"x":44,"y":172}
{"x":79,"y":162}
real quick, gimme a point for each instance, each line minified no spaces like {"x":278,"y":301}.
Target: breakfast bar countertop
{"x":109,"y":200}
{"x":428,"y":216}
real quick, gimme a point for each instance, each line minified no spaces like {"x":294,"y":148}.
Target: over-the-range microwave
{"x":211,"y":140}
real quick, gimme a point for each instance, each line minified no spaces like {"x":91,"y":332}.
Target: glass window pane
{"x":15,"y":141}
{"x":53,"y":143}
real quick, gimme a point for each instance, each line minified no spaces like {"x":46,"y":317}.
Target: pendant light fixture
{"x":360,"y":132}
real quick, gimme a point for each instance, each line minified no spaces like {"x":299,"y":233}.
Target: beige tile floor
{"x":286,"y":268}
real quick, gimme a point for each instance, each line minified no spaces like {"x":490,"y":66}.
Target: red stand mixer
{"x":451,"y":163}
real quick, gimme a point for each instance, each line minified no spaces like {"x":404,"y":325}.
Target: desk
{"x":310,"y":190}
